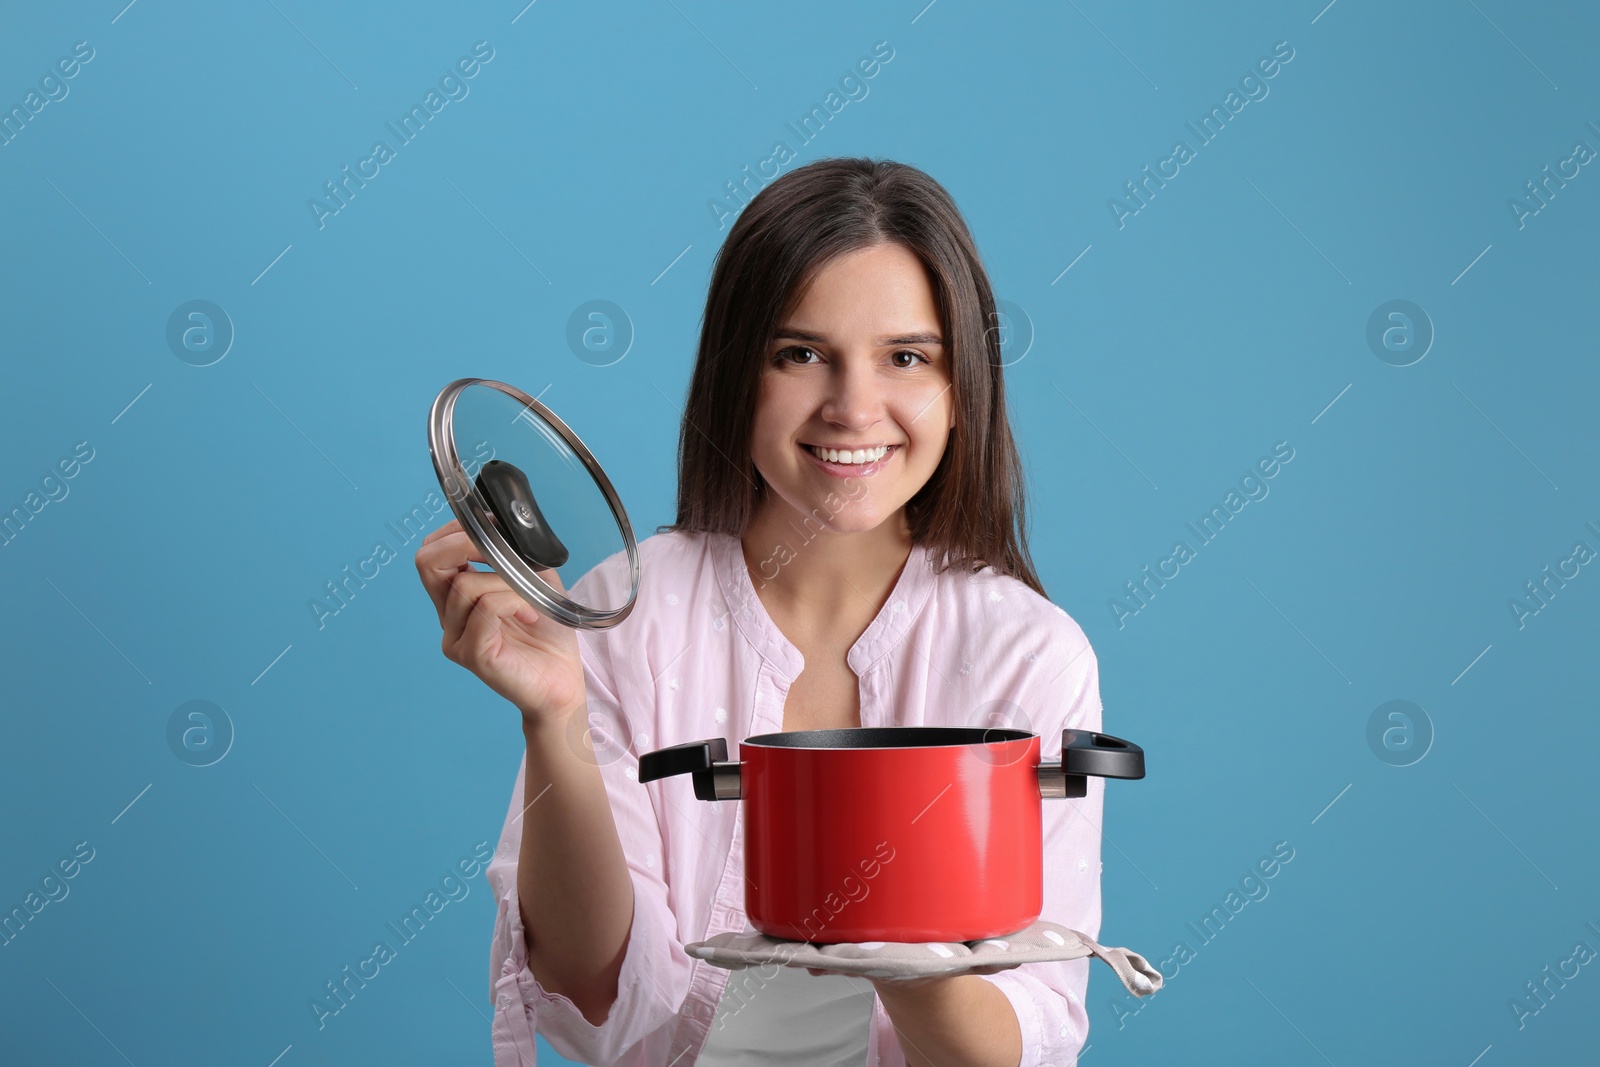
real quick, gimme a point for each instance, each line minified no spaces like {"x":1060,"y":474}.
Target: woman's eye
{"x":915,"y":357}
{"x":784,"y":353}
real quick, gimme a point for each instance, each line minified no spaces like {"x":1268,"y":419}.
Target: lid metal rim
{"x":507,"y":563}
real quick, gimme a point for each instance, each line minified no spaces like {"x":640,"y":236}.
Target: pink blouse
{"x":700,"y":657}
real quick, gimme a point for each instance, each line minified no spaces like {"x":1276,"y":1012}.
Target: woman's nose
{"x":854,"y":395}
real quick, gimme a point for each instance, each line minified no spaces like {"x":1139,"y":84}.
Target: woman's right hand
{"x":526,"y":657}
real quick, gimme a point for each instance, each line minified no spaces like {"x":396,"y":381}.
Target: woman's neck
{"x":819,"y":577}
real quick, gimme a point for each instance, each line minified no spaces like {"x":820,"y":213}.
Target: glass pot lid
{"x":532,"y":497}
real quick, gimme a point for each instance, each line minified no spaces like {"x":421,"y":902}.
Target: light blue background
{"x":1221,"y":319}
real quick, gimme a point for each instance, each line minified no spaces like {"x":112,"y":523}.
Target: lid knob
{"x":510,"y":498}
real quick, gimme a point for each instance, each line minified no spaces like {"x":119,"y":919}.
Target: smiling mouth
{"x":850,"y":457}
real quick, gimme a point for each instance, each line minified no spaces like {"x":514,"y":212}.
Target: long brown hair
{"x":972,"y":510}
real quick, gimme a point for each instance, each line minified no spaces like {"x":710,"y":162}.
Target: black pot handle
{"x":1104,"y":756}
{"x":707,"y":761}
{"x":1085,"y":753}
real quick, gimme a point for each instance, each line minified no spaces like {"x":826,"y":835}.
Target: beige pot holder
{"x":1040,"y":943}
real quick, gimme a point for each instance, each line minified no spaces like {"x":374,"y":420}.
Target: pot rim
{"x":887,"y":738}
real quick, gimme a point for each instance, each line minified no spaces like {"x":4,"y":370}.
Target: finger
{"x":552,"y":577}
{"x":444,"y":558}
{"x":465,"y":588}
{"x":483,"y":627}
{"x":448,"y":528}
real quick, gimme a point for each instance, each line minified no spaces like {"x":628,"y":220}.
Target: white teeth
{"x":860,"y":455}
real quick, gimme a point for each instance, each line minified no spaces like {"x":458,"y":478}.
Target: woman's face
{"x":860,"y":365}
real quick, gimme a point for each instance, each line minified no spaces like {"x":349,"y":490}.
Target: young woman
{"x":849,"y":550}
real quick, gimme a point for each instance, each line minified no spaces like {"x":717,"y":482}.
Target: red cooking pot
{"x":900,"y":833}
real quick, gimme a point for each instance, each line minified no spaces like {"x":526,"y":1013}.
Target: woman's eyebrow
{"x":790,"y":333}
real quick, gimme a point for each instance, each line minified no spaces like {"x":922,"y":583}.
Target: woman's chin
{"x":854,"y":520}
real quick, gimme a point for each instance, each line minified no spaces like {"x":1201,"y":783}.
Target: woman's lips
{"x":847,"y":470}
